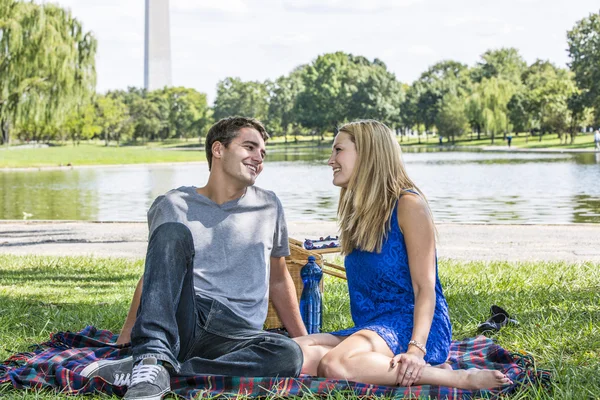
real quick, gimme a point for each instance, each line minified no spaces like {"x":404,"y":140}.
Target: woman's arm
{"x":416,"y":224}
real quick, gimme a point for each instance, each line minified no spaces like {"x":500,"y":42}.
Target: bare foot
{"x":474,"y":378}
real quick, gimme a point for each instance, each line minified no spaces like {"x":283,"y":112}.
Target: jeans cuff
{"x":161,"y":357}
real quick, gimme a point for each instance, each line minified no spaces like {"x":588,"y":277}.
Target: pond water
{"x":471,"y":187}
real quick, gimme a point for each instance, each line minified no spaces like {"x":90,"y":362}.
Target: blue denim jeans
{"x":198,"y":335}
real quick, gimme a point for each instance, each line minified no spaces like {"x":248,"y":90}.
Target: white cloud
{"x":291,"y":39}
{"x":319,"y":6}
{"x":226,"y":6}
{"x":420,"y":50}
{"x":480,"y":25}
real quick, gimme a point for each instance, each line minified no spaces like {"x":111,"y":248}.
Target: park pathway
{"x":572,"y":243}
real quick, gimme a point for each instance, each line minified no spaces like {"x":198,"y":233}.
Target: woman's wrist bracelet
{"x":418,"y":345}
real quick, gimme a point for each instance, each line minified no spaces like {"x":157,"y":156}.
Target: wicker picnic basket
{"x":295,"y":261}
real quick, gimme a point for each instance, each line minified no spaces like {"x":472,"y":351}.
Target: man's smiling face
{"x":243,"y":159}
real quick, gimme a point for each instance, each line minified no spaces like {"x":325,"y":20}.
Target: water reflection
{"x":49,"y":195}
{"x":586,"y":208}
{"x":475,"y":187}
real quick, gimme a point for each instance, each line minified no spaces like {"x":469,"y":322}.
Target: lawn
{"x":557,"y":304}
{"x":549,"y":141}
{"x":92,"y":154}
{"x":95,"y":153}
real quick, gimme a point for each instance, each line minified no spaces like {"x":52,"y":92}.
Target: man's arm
{"x":125,"y":335}
{"x":283,"y":294}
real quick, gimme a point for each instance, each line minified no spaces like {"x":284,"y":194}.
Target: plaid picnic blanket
{"x":56,"y":364}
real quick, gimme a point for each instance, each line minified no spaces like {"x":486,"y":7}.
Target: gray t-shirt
{"x":233,"y":242}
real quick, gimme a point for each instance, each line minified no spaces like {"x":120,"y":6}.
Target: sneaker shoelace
{"x":144,"y":373}
{"x":122,"y":379}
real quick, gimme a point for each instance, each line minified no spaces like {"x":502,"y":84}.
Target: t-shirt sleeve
{"x":281,"y":246}
{"x":160,"y":211}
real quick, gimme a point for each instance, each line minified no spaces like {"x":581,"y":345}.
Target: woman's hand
{"x":410,"y":368}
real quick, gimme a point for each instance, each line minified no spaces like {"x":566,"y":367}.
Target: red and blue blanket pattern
{"x":56,"y":365}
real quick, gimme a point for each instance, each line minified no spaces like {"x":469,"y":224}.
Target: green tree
{"x":409,"y":110}
{"x":442,"y":78}
{"x":236,"y":97}
{"x":549,"y":89}
{"x":504,"y":63}
{"x":520,"y":112}
{"x":493,"y":96}
{"x":148,"y":116}
{"x":189,"y":114}
{"x":82,"y":124}
{"x":47,"y":65}
{"x":328,"y":87}
{"x":340,"y":86}
{"x":452,"y":119}
{"x":113,"y":119}
{"x":378,"y":94}
{"x":284,"y":94}
{"x":584,"y":49}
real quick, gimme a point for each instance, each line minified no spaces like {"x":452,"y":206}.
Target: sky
{"x":265,"y":39}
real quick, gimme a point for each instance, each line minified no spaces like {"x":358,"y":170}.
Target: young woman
{"x":402,"y":330}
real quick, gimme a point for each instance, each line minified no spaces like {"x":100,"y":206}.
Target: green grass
{"x":92,"y":154}
{"x":95,"y":153}
{"x":557,"y":304}
{"x":549,"y":141}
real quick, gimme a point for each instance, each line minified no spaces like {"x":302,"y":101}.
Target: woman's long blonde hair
{"x":378,"y":180}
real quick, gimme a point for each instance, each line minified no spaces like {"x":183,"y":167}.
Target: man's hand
{"x":125,"y":335}
{"x":283,"y":295}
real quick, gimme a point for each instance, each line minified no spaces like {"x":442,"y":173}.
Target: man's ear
{"x":217,"y":149}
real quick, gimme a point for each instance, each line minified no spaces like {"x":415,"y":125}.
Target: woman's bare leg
{"x":314,"y":347}
{"x":365,"y":357}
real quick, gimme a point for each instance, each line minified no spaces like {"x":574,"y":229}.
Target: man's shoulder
{"x":180,"y":192}
{"x":264,"y":194}
{"x":173,"y":196}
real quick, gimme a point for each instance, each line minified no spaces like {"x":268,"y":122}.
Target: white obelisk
{"x":157,"y":57}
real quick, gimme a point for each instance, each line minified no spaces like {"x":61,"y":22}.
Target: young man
{"x":597,"y":139}
{"x":214,"y":255}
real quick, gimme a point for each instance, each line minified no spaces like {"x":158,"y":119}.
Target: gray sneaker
{"x":115,"y":372}
{"x":149,"y":381}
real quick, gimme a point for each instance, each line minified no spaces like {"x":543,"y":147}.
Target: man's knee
{"x":172,"y":232}
{"x":289,"y":356}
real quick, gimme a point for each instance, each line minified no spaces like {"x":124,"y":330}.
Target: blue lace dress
{"x":382,"y":298}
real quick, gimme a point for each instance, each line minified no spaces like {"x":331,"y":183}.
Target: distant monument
{"x":157,"y":57}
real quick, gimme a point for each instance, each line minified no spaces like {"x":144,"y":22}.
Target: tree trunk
{"x":5,"y":137}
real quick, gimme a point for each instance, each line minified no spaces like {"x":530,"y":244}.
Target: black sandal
{"x":494,"y":309}
{"x":493,"y":323}
{"x":498,"y":319}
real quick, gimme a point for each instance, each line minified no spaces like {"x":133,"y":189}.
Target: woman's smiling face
{"x":343,"y":159}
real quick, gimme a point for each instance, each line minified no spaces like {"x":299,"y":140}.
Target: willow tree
{"x":47,"y":65}
{"x":494,"y":95}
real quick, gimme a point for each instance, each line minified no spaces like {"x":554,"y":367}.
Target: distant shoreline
{"x":486,"y":149}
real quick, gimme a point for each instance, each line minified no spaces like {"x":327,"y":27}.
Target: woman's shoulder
{"x":410,"y":199}
{"x":412,"y":207}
